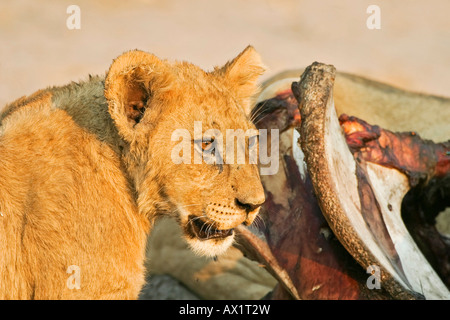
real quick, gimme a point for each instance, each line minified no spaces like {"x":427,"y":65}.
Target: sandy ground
{"x":411,"y":50}
{"x":164,"y":287}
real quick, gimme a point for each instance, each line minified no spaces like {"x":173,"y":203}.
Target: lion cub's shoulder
{"x":62,"y":97}
{"x":78,"y":104}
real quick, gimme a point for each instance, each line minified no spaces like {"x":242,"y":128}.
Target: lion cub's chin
{"x":210,"y":247}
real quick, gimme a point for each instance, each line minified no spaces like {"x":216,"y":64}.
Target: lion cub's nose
{"x":249,"y":196}
{"x":250,"y":204}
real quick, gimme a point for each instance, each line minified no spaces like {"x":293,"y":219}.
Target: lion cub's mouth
{"x":204,"y":230}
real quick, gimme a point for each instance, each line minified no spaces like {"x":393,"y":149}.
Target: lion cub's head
{"x":176,"y":120}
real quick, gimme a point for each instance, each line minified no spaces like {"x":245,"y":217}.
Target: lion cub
{"x":86,"y":168}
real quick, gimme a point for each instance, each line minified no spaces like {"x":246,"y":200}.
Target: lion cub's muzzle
{"x":220,"y":219}
{"x":204,"y":229}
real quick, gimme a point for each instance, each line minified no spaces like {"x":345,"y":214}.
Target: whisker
{"x":256,"y":115}
{"x":261,"y":118}
{"x":191,"y":205}
{"x":195,"y":218}
{"x":258,"y":110}
{"x":204,"y":223}
{"x":210,"y":228}
{"x":259,"y":223}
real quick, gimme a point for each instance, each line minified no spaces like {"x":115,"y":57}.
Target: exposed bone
{"x":333,"y":171}
{"x":257,"y":249}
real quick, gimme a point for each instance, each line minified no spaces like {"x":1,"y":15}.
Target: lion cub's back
{"x":64,"y":201}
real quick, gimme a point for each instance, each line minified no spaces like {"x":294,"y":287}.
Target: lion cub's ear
{"x":241,"y":75}
{"x":131,"y":84}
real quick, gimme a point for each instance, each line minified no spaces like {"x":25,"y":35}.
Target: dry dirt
{"x":410,"y":50}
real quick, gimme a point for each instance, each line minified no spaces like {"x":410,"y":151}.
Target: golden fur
{"x":86,"y":168}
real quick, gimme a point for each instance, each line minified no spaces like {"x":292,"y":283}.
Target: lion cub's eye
{"x":206,"y":145}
